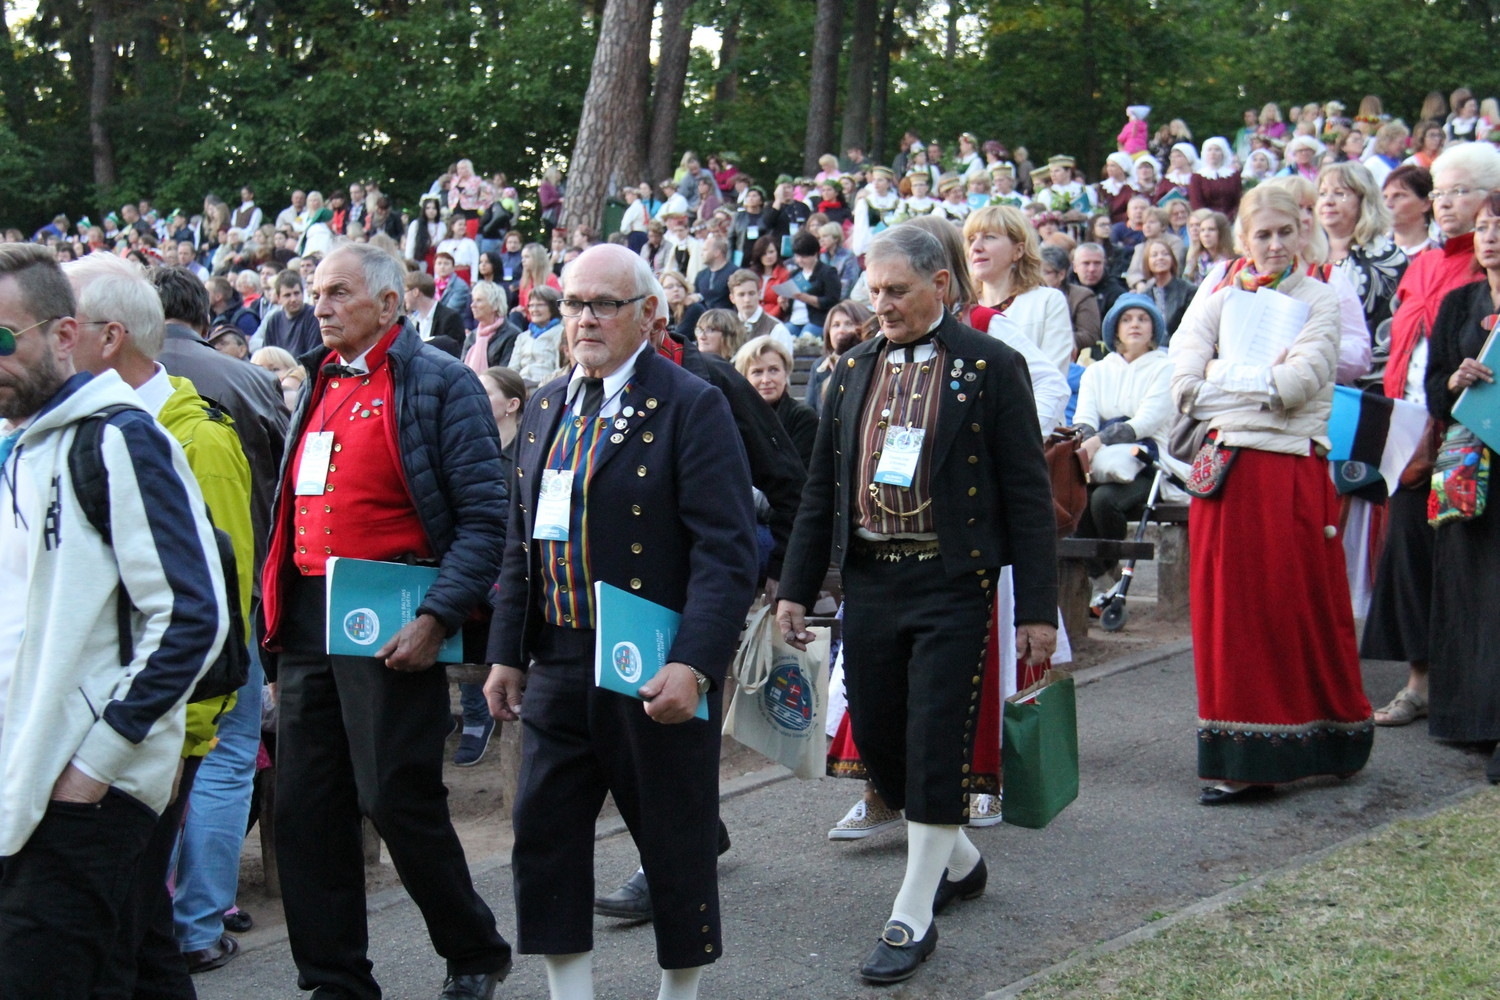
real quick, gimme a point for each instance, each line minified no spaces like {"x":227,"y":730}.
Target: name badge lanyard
{"x":554,"y":513}
{"x":901,"y":444}
{"x":317,"y":445}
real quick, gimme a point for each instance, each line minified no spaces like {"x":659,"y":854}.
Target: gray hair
{"x":45,"y":292}
{"x":113,"y":288}
{"x":247,"y":280}
{"x":1055,"y":257}
{"x":1479,"y":160}
{"x":493,"y":294}
{"x":919,"y":248}
{"x":383,"y":272}
{"x":643,"y":281}
{"x":1091,"y":247}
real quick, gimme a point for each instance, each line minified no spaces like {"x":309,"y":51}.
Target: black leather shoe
{"x":897,"y":957}
{"x":479,"y":986}
{"x":1213,"y":795}
{"x":238,"y":921}
{"x":632,"y":901}
{"x":213,"y":957}
{"x":971,"y":886}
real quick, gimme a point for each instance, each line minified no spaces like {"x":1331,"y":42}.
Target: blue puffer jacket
{"x":450,"y":454}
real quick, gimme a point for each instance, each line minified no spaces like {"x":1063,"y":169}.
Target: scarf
{"x":537,"y":331}
{"x":1252,"y":280}
{"x":827,"y":206}
{"x":478,"y":356}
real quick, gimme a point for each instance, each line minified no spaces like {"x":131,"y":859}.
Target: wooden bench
{"x":1074,"y":594}
{"x":1172,"y":582}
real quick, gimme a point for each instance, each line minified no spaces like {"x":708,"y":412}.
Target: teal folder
{"x":632,"y":641}
{"x":368,"y":602}
{"x":1478,"y":406}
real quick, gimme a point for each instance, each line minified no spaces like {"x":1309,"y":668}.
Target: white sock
{"x":680,"y":984}
{"x":571,"y":977}
{"x":964,"y":859}
{"x":474,"y":730}
{"x":928,"y":848}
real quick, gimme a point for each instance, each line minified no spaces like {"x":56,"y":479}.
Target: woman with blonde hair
{"x":276,"y":360}
{"x":1354,"y":218}
{"x":767,"y":366}
{"x":1260,"y":723}
{"x":1006,"y":264}
{"x":719,"y":331}
{"x":536,"y":272}
{"x":1271,"y":125}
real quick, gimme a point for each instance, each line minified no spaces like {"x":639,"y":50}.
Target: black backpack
{"x":231,"y":670}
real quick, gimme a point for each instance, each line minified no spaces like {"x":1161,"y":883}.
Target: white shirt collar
{"x":360,"y":364}
{"x":155,"y":391}
{"x":754,"y":317}
{"x":614,"y":382}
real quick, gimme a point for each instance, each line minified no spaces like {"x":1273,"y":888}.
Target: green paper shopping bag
{"x":1039,"y":751}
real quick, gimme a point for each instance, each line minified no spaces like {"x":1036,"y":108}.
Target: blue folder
{"x":632,"y":641}
{"x":370,"y":601}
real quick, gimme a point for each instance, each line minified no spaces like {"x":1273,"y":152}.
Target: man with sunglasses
{"x":647,"y":490}
{"x":89,"y":746}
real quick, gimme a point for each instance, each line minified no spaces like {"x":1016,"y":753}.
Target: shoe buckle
{"x":896,"y":928}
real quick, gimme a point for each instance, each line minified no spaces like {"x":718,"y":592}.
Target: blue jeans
{"x":208,"y":859}
{"x":488,"y":246}
{"x":798,"y":329}
{"x":476,"y":709}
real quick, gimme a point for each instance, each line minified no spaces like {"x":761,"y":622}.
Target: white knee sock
{"x":680,"y":984}
{"x":964,"y":859}
{"x":928,"y":848}
{"x":571,"y":977}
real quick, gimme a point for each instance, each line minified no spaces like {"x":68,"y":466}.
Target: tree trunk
{"x":611,"y":119}
{"x":1091,"y":152}
{"x":884,"y":39}
{"x":728,"y":87}
{"x":823,"y":87}
{"x":950,"y":43}
{"x":861,"y":75}
{"x":102,"y":51}
{"x":10,"y":80}
{"x":671,"y":78}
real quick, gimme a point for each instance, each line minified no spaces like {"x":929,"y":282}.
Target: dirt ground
{"x":480,"y":806}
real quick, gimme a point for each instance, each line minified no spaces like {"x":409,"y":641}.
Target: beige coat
{"x":1279,"y":408}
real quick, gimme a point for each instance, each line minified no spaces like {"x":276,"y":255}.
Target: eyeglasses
{"x":1339,"y":196}
{"x":1456,"y":193}
{"x":8,"y":336}
{"x":601,"y":308}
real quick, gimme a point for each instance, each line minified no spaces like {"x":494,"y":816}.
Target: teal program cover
{"x":1478,"y":406}
{"x":632,"y":641}
{"x":369,"y":601}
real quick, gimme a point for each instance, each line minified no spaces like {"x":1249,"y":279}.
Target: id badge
{"x":509,"y":274}
{"x":752,"y":233}
{"x":312,"y":470}
{"x":554,"y":506}
{"x":899,"y":455}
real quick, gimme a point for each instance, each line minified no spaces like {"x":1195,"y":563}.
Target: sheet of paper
{"x":786,"y":289}
{"x":1255,"y":327}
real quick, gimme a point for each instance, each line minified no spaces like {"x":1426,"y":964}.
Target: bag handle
{"x":752,"y":664}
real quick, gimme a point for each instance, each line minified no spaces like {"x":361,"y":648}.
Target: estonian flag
{"x":1369,"y":428}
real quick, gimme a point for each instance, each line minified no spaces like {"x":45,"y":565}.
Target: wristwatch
{"x":702,"y":679}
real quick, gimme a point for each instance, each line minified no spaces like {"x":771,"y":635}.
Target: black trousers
{"x":579,"y":742}
{"x":914,"y":644}
{"x":1111,"y":506}
{"x":146,"y":963}
{"x":358,"y":739}
{"x":61,"y":896}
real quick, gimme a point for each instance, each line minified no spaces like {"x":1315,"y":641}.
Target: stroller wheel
{"x":1115,"y":614}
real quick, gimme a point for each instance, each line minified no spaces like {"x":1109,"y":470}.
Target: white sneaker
{"x":861,"y":821}
{"x":984,"y":810}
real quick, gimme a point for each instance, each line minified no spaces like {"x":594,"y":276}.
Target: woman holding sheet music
{"x":1464,"y":684}
{"x":1279,"y":690}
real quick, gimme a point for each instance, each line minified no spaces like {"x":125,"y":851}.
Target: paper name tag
{"x":752,"y":233}
{"x":554,"y":506}
{"x":312,"y":470}
{"x":899,"y":456}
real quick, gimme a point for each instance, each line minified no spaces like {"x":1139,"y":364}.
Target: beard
{"x":22,"y":395}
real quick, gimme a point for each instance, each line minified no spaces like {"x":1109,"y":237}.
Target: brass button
{"x":971,"y":522}
{"x":985,"y":584}
{"x":966,"y":769}
{"x":650,"y":404}
{"x":302,"y":549}
{"x":851,"y":365}
{"x":333,"y":468}
{"x":977,"y":678}
{"x":851,"y":362}
{"x":705,"y":928}
{"x":702,"y":907}
{"x":648,"y":437}
{"x":973,"y":490}
{"x":561,"y":561}
{"x":530,"y":437}
{"x":546,"y":403}
{"x":338,"y":447}
{"x":640,"y":470}
{"x":708,"y":947}
{"x":301,"y":530}
{"x":974,"y":428}
{"x":974,"y":553}
{"x":330,"y":487}
{"x":562,"y":590}
{"x":965,"y":782}
{"x":520,"y":472}
{"x":302,"y":510}
{"x":567,"y":619}
{"x":635,"y":583}
{"x":979,"y":365}
{"x":327,"y":531}
{"x":881,"y":425}
{"x":635,"y":509}
{"x":635,"y":547}
{"x":327,"y":509}
{"x":334,"y":384}
{"x":973,"y":459}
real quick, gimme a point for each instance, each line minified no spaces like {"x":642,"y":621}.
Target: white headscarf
{"x":1250,"y":173}
{"x":1191,"y":152}
{"x":1136,"y":175}
{"x":1226,"y":168}
{"x":1126,"y":163}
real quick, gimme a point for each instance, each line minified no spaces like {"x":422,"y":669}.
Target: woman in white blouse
{"x":1006,"y":263}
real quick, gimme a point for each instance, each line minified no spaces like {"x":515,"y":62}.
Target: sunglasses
{"x":8,"y":336}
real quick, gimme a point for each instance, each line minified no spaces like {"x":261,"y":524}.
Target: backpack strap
{"x":87,"y":470}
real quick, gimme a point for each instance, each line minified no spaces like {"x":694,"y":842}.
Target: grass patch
{"x":1413,"y":912}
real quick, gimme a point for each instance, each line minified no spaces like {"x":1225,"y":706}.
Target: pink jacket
{"x":1132,"y":137}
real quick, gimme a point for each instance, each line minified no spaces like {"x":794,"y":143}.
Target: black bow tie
{"x":340,"y":371}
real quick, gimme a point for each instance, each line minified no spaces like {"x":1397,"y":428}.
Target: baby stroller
{"x":1113,"y":613}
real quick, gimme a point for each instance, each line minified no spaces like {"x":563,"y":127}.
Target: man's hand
{"x":416,"y":646}
{"x":1035,"y":643}
{"x":503,"y":692}
{"x":75,"y":786}
{"x":791,"y":618}
{"x":771,"y":587}
{"x":1091,"y":447}
{"x":672,"y":695}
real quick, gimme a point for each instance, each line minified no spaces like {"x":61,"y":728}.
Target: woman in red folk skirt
{"x":1279,"y":689}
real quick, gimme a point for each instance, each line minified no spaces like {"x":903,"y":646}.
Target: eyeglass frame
{"x":1455,"y":193}
{"x":5,"y":351}
{"x":573,"y":308}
